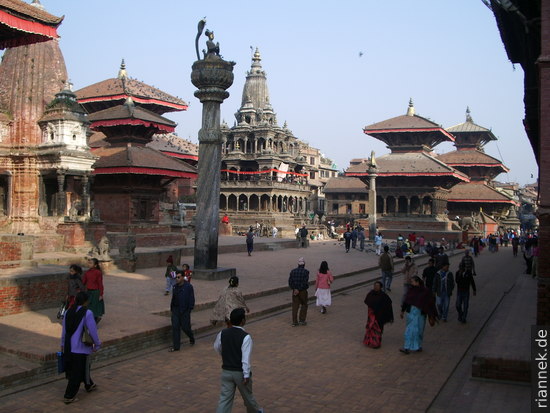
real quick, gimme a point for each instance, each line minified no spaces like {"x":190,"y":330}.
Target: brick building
{"x":524,"y":27}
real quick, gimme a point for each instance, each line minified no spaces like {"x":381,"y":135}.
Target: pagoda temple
{"x":268,"y":175}
{"x":467,"y":199}
{"x":130,"y":175}
{"x":412,"y":184}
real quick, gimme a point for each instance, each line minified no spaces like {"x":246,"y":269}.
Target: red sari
{"x":373,"y":333}
{"x":380,"y":313}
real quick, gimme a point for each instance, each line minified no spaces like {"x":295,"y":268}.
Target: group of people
{"x":171,"y":274}
{"x":424,"y":298}
{"x":79,"y":337}
{"x":354,"y":235}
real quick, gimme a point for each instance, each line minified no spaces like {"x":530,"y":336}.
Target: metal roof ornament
{"x":468,"y":116}
{"x":410,"y":110}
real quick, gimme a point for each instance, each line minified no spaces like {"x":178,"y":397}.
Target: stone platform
{"x":136,"y":335}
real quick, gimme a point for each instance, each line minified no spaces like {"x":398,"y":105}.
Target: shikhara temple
{"x":45,"y":162}
{"x":62,"y":189}
{"x":268,"y":175}
{"x":412,"y":184}
{"x":479,"y":197}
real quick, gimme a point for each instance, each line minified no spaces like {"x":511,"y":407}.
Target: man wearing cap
{"x":235,"y":345}
{"x":299,"y":282}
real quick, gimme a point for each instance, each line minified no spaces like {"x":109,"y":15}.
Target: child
{"x":187,"y":272}
{"x":170,"y":274}
{"x":322,"y":287}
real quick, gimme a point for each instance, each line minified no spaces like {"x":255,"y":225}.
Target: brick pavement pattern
{"x":321,"y":367}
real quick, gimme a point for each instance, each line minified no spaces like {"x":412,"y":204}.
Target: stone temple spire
{"x":255,"y":106}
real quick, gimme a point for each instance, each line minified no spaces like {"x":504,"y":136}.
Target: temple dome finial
{"x":122,"y":72}
{"x":410,"y":109}
{"x":37,"y":4}
{"x":468,"y":116}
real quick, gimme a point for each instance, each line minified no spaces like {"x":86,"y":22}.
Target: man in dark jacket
{"x":183,"y":302}
{"x":303,"y":236}
{"x":299,"y":282}
{"x":463,"y":281}
{"x":443,"y":288}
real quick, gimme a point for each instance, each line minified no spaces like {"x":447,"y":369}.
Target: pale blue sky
{"x":444,"y":54}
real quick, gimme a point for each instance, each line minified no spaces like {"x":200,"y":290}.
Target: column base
{"x":214,"y":273}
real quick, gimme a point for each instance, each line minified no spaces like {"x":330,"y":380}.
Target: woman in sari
{"x":93,"y":280}
{"x":380,"y":313}
{"x":419,"y":303}
{"x":230,"y":298}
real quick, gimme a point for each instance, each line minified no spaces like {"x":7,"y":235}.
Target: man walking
{"x":303,"y":236}
{"x":347,"y":239}
{"x":235,"y":345}
{"x":386,"y":266}
{"x":441,"y":259}
{"x":463,"y":280}
{"x":443,"y":289}
{"x":299,"y":282}
{"x":429,"y":274}
{"x":468,"y":263}
{"x":183,"y":302}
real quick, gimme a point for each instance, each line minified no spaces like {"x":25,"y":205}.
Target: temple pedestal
{"x":214,"y":274}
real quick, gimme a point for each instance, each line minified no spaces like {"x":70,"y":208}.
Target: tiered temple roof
{"x":409,"y":132}
{"x":115,"y":91}
{"x":470,"y":158}
{"x":22,"y":23}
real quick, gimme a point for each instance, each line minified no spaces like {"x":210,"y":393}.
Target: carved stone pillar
{"x":372,"y":200}
{"x":86,"y":195}
{"x":212,"y":76}
{"x":61,"y":196}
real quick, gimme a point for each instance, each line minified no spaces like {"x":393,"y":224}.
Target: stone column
{"x":86,"y":195}
{"x":372,"y":200}
{"x":61,"y":198}
{"x":212,"y":76}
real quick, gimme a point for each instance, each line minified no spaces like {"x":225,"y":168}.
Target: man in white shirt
{"x":235,"y":345}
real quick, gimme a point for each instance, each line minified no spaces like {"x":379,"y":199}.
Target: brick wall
{"x":24,"y":293}
{"x":13,"y":249}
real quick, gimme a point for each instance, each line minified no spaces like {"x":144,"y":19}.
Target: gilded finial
{"x":468,"y":116}
{"x":122,"y":72}
{"x":410,"y":109}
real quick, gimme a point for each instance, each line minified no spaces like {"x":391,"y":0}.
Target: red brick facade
{"x":24,"y":293}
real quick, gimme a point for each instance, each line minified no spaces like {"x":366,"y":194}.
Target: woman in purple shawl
{"x":419,"y":303}
{"x":380,"y":313}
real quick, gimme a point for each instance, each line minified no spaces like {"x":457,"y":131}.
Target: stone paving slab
{"x":322,"y":367}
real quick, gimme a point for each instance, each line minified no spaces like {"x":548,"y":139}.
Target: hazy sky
{"x":445,"y":55}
